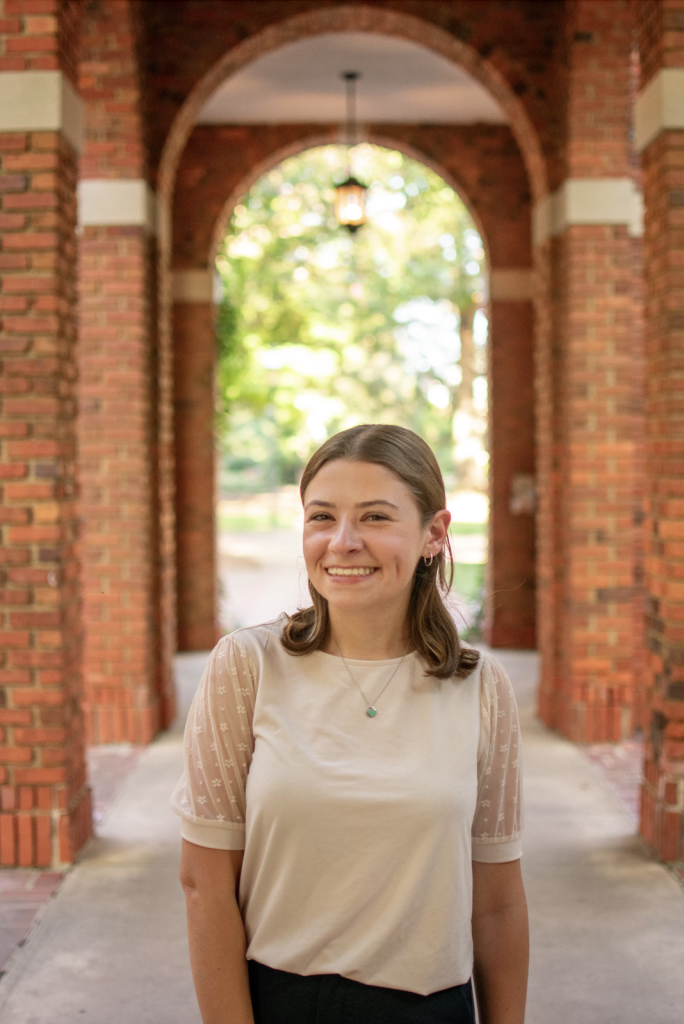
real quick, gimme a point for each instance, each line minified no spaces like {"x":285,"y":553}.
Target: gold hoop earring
{"x":432,"y":558}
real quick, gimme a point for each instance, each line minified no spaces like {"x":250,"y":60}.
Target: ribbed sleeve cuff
{"x":226,"y":836}
{"x":497,"y":852}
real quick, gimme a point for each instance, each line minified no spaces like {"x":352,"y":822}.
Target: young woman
{"x":351,"y":801}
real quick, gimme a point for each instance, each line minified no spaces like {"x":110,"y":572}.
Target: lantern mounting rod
{"x":351,"y":78}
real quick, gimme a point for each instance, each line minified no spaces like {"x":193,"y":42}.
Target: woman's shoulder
{"x":492,"y":668}
{"x":253,"y":640}
{"x":495,"y":684}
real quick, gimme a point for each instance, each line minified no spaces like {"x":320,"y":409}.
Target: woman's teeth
{"x":350,"y":572}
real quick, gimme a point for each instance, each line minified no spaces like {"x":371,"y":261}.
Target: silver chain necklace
{"x":371,"y":710}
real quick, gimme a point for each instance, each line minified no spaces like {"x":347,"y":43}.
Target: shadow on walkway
{"x":607,"y":922}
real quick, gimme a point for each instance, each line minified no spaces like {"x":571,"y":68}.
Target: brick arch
{"x":324,"y":139}
{"x":495,"y":78}
{"x":497,"y":75}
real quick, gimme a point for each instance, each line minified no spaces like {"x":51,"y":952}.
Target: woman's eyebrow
{"x":360,"y":504}
{"x":323,"y":504}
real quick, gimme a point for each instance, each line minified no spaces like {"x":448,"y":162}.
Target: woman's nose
{"x":345,"y":537}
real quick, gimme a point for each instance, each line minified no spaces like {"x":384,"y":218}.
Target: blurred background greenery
{"x":319,"y":329}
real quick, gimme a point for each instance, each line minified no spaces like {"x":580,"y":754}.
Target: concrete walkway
{"x":607,"y":922}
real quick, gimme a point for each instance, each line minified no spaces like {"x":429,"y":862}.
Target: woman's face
{"x":363,"y":535}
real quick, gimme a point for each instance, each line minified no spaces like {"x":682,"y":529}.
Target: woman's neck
{"x":365,"y":637}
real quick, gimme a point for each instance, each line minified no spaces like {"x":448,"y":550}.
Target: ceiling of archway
{"x":401,"y":82}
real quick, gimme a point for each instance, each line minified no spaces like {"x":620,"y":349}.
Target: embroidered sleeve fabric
{"x":498,"y":821}
{"x":217,"y":750}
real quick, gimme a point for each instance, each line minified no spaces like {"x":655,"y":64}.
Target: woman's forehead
{"x":353,"y":481}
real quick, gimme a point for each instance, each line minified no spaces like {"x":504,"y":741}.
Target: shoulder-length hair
{"x":432,"y":631}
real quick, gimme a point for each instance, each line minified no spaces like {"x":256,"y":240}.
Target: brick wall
{"x":121,"y":698}
{"x":641,"y":714}
{"x":546,"y":387}
{"x":45,"y":801}
{"x":588,"y":420}
{"x":484,"y":163}
{"x":194,"y":416}
{"x":128,"y":690}
{"x":661,"y":43}
{"x":40,"y":35}
{"x":511,"y":611}
{"x":659,"y":36}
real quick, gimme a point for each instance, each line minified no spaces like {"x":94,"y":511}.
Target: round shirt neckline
{"x":407,"y":659}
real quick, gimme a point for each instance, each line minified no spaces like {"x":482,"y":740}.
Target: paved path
{"x":607,"y":922}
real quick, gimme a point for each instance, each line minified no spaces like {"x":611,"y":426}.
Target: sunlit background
{"x":320,"y":329}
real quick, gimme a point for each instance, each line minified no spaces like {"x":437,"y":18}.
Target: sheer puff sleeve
{"x":217,"y":750}
{"x":498,"y":822}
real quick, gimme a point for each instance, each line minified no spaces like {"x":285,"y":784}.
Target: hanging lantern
{"x":350,"y":204}
{"x":350,"y":201}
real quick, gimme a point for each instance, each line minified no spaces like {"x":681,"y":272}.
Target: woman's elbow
{"x":204,"y":870}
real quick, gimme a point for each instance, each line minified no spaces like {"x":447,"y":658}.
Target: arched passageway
{"x":484,"y":164}
{"x":133,"y":79}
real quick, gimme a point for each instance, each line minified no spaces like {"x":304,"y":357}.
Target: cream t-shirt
{"x":358,"y":832}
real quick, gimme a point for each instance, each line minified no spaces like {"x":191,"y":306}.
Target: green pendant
{"x":371,"y":712}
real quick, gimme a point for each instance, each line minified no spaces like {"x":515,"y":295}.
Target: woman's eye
{"x":376,"y":516}
{"x":319,"y":517}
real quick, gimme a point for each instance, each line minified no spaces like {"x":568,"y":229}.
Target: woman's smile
{"x":350,"y":571}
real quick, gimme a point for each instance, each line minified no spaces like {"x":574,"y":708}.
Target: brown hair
{"x":431,"y":628}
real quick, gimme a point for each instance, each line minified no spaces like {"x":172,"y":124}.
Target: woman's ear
{"x":437,"y":532}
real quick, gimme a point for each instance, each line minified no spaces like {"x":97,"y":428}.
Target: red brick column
{"x":511,"y":610}
{"x":194,"y":415}
{"x":585,"y":384}
{"x":45,"y":801}
{"x":660,"y":137}
{"x":128,"y":695}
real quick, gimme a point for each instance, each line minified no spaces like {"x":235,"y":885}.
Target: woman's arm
{"x":216,"y":933}
{"x":501,"y":941}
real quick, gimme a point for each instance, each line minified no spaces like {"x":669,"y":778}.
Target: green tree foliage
{"x":319,"y":329}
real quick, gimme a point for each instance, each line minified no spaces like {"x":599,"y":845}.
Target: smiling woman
{"x":351,"y":800}
{"x":399,"y":519}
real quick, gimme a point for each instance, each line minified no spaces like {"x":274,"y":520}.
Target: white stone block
{"x":659,"y":106}
{"x":106,"y":202}
{"x":41,"y":101}
{"x":588,"y":201}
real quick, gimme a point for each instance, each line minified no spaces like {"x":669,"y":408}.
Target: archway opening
{"x":319,"y":330}
{"x":484,"y":146}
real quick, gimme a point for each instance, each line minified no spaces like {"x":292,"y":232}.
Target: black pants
{"x":279,"y":997}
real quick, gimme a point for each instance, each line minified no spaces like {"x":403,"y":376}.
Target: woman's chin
{"x":346,"y":596}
